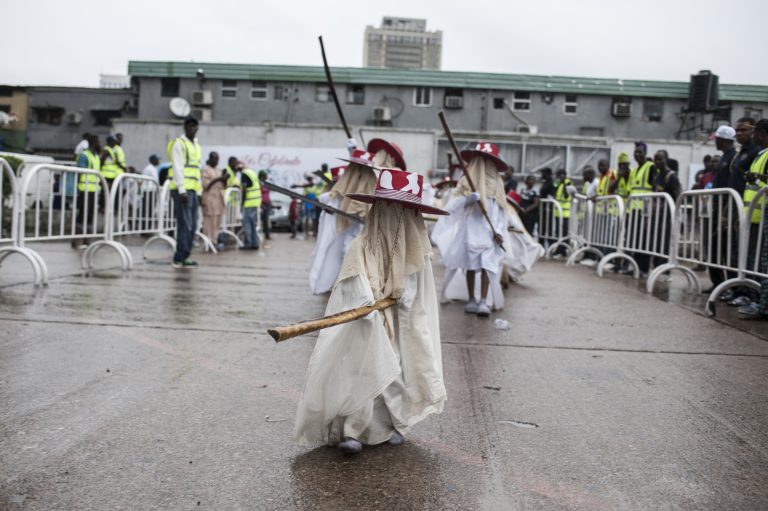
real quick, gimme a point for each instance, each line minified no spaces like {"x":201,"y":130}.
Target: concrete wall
{"x":61,"y":139}
{"x":478,"y":113}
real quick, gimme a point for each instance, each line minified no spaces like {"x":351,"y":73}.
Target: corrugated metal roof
{"x":432,"y":78}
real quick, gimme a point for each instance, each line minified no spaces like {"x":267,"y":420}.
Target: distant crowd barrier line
{"x":703,"y":229}
{"x":41,"y":202}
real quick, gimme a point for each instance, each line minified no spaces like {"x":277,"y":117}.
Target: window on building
{"x":498,"y":103}
{"x":229,"y":89}
{"x":653,"y":109}
{"x":422,"y":96}
{"x":522,"y":102}
{"x":323,"y":94}
{"x":49,"y":115}
{"x":591,"y":131}
{"x":355,"y":95}
{"x":454,"y":99}
{"x":723,"y":112}
{"x":104,"y":117}
{"x":259,"y":91}
{"x":755,"y":113}
{"x":6,"y":92}
{"x":169,"y":87}
{"x":571,"y":104}
{"x":281,"y":93}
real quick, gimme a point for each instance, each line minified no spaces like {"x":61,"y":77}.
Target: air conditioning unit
{"x":202,"y":97}
{"x":74,"y":118}
{"x":454,"y":102}
{"x":621,"y":109}
{"x":529,"y":129}
{"x":202,"y":114}
{"x":382,"y":113}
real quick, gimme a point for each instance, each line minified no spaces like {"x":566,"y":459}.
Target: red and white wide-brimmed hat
{"x":487,"y":150}
{"x":392,"y":149}
{"x":400,"y":187}
{"x":360,"y":157}
{"x":337,"y":172}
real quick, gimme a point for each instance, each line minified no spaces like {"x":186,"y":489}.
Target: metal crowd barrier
{"x":9,"y":224}
{"x":701,"y":239}
{"x":233,"y":217}
{"x":550,"y":226}
{"x":134,"y":201}
{"x":604,"y":233}
{"x":166,"y":224}
{"x":579,"y":225}
{"x":59,"y":213}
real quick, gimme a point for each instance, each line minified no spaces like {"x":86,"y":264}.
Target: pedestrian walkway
{"x":160,"y":389}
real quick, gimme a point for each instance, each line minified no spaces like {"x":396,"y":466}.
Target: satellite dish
{"x":180,"y":107}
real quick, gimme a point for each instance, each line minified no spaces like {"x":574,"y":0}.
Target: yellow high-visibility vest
{"x":563,"y":198}
{"x":90,"y":182}
{"x":109,"y":169}
{"x":638,"y":183}
{"x":253,"y":192}
{"x":120,"y":155}
{"x":192,"y":158}
{"x":604,"y":185}
{"x":750,"y":191}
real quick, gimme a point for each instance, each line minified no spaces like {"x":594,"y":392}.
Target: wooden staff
{"x":463,"y":166}
{"x":283,"y":333}
{"x":329,"y":78}
{"x":317,"y":203}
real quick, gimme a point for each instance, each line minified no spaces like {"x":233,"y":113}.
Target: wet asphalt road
{"x":159,"y":389}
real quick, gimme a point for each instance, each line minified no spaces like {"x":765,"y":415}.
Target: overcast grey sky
{"x":71,"y":42}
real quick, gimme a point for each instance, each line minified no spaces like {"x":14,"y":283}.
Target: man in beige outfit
{"x":213,"y":197}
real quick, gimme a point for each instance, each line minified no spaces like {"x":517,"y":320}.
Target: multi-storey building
{"x":402,"y":43}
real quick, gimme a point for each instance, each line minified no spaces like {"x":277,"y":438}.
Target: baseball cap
{"x":725,"y":132}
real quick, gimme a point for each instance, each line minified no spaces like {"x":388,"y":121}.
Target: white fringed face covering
{"x":356,"y":179}
{"x":486,"y":178}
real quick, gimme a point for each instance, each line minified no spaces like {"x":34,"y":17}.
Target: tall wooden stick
{"x":329,"y":78}
{"x":463,"y":166}
{"x":283,"y":333}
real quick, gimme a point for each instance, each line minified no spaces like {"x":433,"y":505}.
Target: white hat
{"x":725,"y":132}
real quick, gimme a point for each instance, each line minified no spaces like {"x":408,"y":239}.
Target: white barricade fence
{"x":604,"y":233}
{"x":699,"y":236}
{"x":165,"y":214}
{"x":52,"y":211}
{"x":579,"y":224}
{"x":9,"y":224}
{"x":727,"y":238}
{"x":134,"y":200}
{"x":550,"y":226}
{"x":649,"y":220}
{"x":233,"y":217}
{"x":572,"y":238}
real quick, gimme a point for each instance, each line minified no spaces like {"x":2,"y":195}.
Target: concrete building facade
{"x":402,"y":43}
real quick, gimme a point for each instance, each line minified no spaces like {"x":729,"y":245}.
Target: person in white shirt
{"x":82,"y":145}
{"x":148,"y":198}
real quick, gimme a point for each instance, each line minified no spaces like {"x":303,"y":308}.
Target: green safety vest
{"x":604,"y":185}
{"x":232,"y":178}
{"x":90,"y":182}
{"x":623,"y":188}
{"x":562,"y":197}
{"x":253,"y":192}
{"x":109,"y":169}
{"x":192,"y":158}
{"x":638,"y":183}
{"x":750,"y":191}
{"x":120,"y":155}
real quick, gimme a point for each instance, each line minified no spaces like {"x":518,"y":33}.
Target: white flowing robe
{"x":330,"y":248}
{"x":466,"y":243}
{"x":362,"y":385}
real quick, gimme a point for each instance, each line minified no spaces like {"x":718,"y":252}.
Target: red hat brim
{"x":377,"y":144}
{"x":364,"y":163}
{"x":468,"y":154}
{"x":370,"y":199}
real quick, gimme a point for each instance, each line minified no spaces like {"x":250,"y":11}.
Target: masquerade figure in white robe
{"x":369,"y":381}
{"x":334,"y":232}
{"x":466,"y":240}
